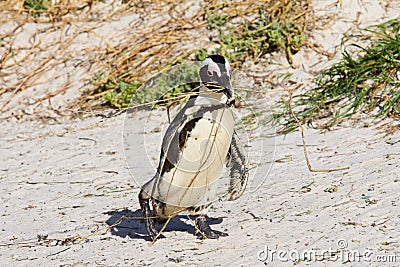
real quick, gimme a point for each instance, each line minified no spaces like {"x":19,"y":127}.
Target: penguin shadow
{"x":130,"y":223}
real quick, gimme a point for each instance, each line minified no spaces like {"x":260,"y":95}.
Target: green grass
{"x":365,"y":80}
{"x":165,"y":88}
{"x":279,"y":27}
{"x":36,"y":7}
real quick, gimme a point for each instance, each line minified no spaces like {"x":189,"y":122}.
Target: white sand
{"x":73,"y":184}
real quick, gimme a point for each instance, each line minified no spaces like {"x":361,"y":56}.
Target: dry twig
{"x":303,"y":139}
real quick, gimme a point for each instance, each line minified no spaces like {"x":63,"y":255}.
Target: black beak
{"x":228,"y":90}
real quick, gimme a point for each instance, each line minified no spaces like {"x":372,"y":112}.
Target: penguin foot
{"x":204,"y":231}
{"x":148,"y":216}
{"x":152,"y":231}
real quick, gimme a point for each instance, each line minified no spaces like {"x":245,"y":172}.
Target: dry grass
{"x":165,"y":33}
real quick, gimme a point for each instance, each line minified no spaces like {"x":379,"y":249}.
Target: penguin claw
{"x":155,"y":237}
{"x":213,"y":234}
{"x":205,"y":232}
{"x":148,"y":216}
{"x":153,"y":233}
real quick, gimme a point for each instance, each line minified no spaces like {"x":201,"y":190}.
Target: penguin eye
{"x":209,"y":73}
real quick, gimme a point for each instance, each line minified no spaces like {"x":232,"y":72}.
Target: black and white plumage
{"x":196,"y":145}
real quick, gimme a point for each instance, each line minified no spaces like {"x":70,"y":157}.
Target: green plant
{"x":331,"y":189}
{"x":365,"y":80}
{"x":165,"y":88}
{"x":121,"y":94}
{"x":215,"y":18}
{"x":279,"y":27}
{"x":201,"y":54}
{"x":176,"y":260}
{"x":35,"y":6}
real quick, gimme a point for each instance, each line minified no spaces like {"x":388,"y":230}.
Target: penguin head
{"x":215,"y":74}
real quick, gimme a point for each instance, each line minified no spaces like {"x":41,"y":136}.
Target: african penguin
{"x":198,"y":142}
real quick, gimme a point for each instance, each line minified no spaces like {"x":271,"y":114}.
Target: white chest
{"x":194,"y":179}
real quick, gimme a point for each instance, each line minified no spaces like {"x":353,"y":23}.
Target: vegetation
{"x":364,"y":80}
{"x":282,"y":26}
{"x":239,"y":30}
{"x":141,"y":66}
{"x":165,"y":88}
{"x":270,"y":26}
{"x":35,"y":7}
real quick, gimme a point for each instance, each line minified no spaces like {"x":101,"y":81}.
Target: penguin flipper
{"x":237,"y":165}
